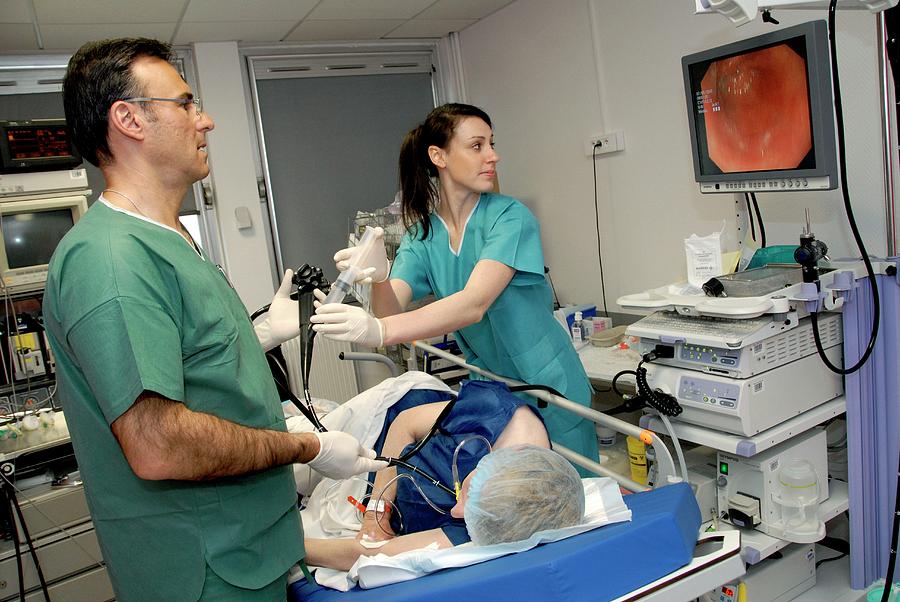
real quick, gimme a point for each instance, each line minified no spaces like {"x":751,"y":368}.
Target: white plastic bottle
{"x":577,"y":332}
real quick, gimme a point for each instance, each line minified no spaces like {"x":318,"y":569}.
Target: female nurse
{"x":479,"y":253}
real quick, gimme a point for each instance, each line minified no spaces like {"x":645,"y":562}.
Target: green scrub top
{"x":131,"y":307}
{"x":518,"y":337}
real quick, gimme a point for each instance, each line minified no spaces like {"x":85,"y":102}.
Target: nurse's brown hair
{"x":418,"y":188}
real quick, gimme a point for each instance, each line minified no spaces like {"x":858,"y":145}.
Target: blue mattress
{"x":602,"y":564}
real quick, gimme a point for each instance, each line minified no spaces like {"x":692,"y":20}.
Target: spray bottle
{"x":577,"y":332}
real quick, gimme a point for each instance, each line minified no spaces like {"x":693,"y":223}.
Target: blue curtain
{"x":873,"y":427}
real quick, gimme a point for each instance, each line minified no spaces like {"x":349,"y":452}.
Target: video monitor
{"x":36,"y":145}
{"x":761,"y":113}
{"x":30,"y":231}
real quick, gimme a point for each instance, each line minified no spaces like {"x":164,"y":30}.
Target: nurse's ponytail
{"x":418,"y":175}
{"x":418,"y":191}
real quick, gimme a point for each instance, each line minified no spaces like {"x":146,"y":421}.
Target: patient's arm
{"x":409,"y":426}
{"x":340,"y":554}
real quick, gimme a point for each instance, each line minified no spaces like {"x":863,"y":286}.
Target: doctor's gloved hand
{"x":374,"y":268}
{"x":341,"y":456}
{"x":282,"y":321}
{"x":342,"y":322}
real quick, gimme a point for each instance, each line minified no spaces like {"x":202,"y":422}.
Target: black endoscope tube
{"x":434,"y":429}
{"x":313,"y":417}
{"x":403,"y":459}
{"x":418,"y":471}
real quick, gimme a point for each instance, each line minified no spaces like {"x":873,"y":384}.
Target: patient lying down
{"x":521,"y":487}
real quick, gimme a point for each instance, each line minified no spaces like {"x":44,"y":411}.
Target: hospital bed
{"x":655,"y":556}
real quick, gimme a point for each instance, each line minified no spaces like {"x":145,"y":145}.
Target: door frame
{"x":441,"y":57}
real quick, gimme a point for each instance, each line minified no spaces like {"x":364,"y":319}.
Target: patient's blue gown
{"x":483,"y":408}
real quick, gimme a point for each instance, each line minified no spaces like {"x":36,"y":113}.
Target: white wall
{"x":232,"y":171}
{"x":553,"y":73}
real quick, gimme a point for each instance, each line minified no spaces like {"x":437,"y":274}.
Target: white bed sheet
{"x":603,"y":505}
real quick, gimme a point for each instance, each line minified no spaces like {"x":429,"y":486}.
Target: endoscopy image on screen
{"x":752,"y":111}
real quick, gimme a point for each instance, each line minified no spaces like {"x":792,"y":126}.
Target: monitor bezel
{"x":77,"y":204}
{"x":821,"y":107}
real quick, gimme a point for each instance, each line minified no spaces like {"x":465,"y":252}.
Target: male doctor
{"x":174,"y":417}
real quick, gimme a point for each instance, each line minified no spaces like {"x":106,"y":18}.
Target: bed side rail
{"x":665,"y":463}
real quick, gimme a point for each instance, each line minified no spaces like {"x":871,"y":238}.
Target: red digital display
{"x":38,"y":142}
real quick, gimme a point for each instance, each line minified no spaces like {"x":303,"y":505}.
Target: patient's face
{"x":457,"y":510}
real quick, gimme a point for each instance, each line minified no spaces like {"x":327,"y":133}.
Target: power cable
{"x":759,"y":221}
{"x":597,"y":224}
{"x":750,"y":217}
{"x":842,"y":160}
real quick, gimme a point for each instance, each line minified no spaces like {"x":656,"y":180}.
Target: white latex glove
{"x":342,"y":322}
{"x":375,"y":267}
{"x":341,"y":456}
{"x":282,"y":322}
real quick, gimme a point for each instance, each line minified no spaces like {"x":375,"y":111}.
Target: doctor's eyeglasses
{"x":184,"y":102}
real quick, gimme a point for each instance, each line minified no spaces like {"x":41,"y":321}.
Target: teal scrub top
{"x":518,"y":337}
{"x":131,"y":307}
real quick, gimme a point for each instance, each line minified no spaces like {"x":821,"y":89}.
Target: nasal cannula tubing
{"x":347,"y":278}
{"x":457,"y":485}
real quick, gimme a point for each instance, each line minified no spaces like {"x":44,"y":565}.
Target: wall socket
{"x":610,"y":142}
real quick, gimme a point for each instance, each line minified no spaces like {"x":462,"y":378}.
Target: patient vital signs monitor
{"x":41,"y":198}
{"x":36,"y":145}
{"x":761,"y":113}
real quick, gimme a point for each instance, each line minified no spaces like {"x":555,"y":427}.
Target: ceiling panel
{"x":241,"y":10}
{"x":429,"y":28}
{"x":108,"y":11}
{"x":71,"y":37}
{"x":67,"y":24}
{"x":371,"y":29}
{"x":462,"y":9}
{"x":17,"y":37}
{"x":369,"y":9}
{"x":14,"y":11}
{"x":242,"y":31}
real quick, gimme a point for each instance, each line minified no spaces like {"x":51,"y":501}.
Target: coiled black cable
{"x":656,"y":399}
{"x":663,"y":403}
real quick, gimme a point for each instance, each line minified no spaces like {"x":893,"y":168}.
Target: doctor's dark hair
{"x":418,"y":189}
{"x":98,"y":75}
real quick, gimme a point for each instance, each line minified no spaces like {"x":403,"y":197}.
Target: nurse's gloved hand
{"x":341,"y":456}
{"x":375,"y":268}
{"x":282,"y":321}
{"x":342,"y":322}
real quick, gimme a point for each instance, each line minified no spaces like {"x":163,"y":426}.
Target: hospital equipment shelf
{"x":60,"y":526}
{"x":749,"y":446}
{"x":757,"y":546}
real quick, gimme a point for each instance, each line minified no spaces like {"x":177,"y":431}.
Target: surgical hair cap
{"x":518,"y":491}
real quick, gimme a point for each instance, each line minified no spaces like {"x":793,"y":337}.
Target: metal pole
{"x":665,"y":463}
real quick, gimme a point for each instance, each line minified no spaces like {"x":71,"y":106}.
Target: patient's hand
{"x":376,"y":527}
